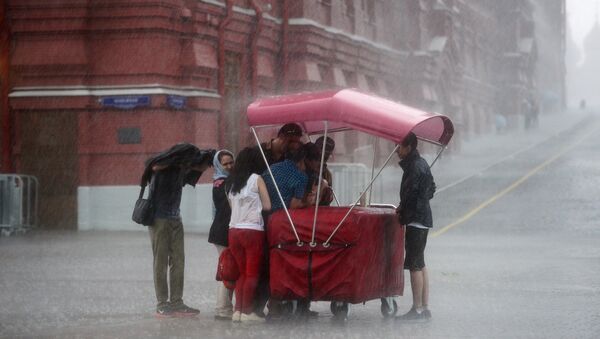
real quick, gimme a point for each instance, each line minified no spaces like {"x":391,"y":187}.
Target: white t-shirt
{"x":246,"y":207}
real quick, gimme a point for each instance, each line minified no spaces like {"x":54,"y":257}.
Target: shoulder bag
{"x":143,"y":212}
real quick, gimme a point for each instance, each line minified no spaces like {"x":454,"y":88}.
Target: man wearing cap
{"x":291,"y":180}
{"x":288,"y":138}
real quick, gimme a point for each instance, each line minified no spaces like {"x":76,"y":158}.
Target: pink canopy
{"x":351,"y":109}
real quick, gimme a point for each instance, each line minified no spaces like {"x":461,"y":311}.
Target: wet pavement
{"x":514,"y":253}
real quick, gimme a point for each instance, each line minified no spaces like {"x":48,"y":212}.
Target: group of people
{"x":244,"y":194}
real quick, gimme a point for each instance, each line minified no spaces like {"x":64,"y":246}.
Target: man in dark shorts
{"x":416,"y":190}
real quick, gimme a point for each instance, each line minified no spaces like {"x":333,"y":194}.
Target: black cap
{"x":290,"y":129}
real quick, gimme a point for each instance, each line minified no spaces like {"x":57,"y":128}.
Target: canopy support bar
{"x":314,"y":230}
{"x":375,"y":144}
{"x":326,"y":243}
{"x":335,"y":196}
{"x":275,"y":183}
{"x":437,"y":156}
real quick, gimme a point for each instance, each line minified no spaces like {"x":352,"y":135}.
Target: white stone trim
{"x":74,"y":91}
{"x":333,"y":30}
{"x":309,"y":22}
{"x":241,"y":10}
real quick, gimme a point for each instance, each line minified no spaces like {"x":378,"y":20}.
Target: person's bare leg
{"x":425,"y":295}
{"x":416,"y":285}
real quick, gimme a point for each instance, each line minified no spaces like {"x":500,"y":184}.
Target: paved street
{"x":514,"y":253}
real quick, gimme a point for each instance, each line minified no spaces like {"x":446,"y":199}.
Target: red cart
{"x":348,"y":254}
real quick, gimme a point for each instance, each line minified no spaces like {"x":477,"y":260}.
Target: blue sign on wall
{"x":126,"y":102}
{"x":176,"y":101}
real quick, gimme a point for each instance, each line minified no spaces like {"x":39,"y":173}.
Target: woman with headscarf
{"x":219,"y":230}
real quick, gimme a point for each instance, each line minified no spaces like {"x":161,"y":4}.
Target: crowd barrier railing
{"x":19,"y":202}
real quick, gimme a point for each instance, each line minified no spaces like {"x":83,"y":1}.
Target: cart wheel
{"x":340,"y":310}
{"x":388,"y":310}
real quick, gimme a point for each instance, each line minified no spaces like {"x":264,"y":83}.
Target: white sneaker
{"x":236,"y":317}
{"x":252,"y":318}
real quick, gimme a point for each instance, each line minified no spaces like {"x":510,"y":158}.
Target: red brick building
{"x":92,"y":88}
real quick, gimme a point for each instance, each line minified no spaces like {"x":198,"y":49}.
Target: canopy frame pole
{"x":375,"y":156}
{"x":335,"y":196}
{"x":318,"y":198}
{"x":442,"y":149}
{"x":326,"y":243}
{"x":299,"y":243}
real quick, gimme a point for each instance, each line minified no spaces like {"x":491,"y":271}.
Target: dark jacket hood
{"x":183,"y":155}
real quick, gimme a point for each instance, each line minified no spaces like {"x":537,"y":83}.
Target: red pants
{"x":247,"y":247}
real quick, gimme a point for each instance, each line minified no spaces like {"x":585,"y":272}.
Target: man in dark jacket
{"x":416,"y":189}
{"x":169,"y":172}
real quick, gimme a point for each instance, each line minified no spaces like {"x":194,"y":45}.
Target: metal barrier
{"x":18,"y":203}
{"x":350,"y":179}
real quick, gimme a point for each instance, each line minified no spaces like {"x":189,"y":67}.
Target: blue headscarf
{"x":220,"y":172}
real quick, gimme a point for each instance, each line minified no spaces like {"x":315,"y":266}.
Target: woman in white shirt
{"x":248,"y":196}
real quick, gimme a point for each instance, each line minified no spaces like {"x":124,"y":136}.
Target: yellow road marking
{"x":505,"y":191}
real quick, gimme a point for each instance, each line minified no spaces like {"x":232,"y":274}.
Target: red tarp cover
{"x":363,"y":262}
{"x":351,"y":109}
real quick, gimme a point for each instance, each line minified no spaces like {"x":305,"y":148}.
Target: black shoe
{"x":304,"y":309}
{"x":222,"y":317}
{"x":313,"y":314}
{"x":413,"y":315}
{"x":274,"y":317}
{"x":164,"y":312}
{"x":308,"y":313}
{"x":183,"y":310}
{"x":260,"y":312}
{"x":275,"y":311}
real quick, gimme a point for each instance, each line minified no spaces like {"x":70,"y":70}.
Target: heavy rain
{"x":98,"y":98}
